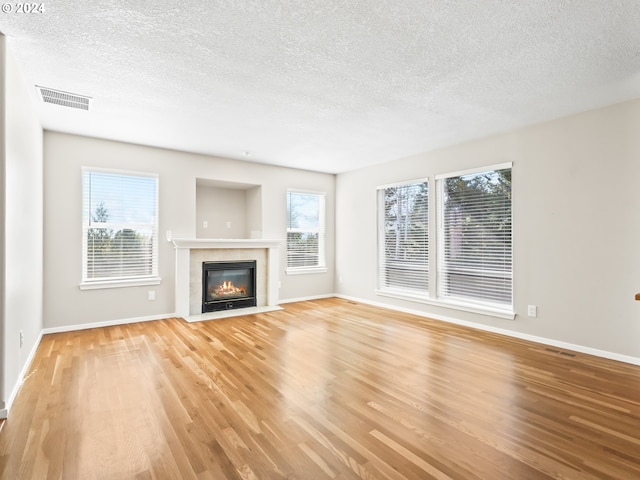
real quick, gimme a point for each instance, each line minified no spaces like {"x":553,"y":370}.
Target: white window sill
{"x":305,"y":270}
{"x":404,"y":295}
{"x":453,"y":304}
{"x":129,"y":282}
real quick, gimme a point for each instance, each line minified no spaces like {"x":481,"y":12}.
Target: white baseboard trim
{"x":108,"y":323}
{"x":502,"y":331}
{"x":305,"y":299}
{"x":4,"y":413}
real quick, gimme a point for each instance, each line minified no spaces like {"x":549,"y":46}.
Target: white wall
{"x":224,"y":210}
{"x":576,"y":230}
{"x":66,"y":305}
{"x":253,"y":200}
{"x":3,"y":122}
{"x":21,"y":213}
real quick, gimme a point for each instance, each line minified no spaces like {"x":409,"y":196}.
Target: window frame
{"x":436,"y":234}
{"x":322,"y":265}
{"x":461,"y":301}
{"x":396,"y":291}
{"x":153,"y":278}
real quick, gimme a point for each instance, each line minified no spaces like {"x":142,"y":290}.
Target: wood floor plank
{"x":325,"y":389}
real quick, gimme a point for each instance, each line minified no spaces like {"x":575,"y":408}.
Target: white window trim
{"x":137,"y":282}
{"x":474,"y":306}
{"x":490,"y":311}
{"x":305,"y":270}
{"x":477,"y":307}
{"x":473,"y":171}
{"x":402,"y":184}
{"x":96,"y":284}
{"x":394,"y":291}
{"x":322,"y":268}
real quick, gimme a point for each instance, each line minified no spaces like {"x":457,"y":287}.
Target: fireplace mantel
{"x":192,"y":243}
{"x":184,"y":246}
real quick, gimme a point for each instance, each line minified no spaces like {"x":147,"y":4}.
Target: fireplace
{"x":228,"y":285}
{"x":191,"y":252}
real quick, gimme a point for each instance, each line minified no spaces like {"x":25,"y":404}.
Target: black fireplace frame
{"x":230,"y":303}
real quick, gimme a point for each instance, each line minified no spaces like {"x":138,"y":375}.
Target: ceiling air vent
{"x":64,"y":99}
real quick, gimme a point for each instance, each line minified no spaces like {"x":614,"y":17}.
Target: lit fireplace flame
{"x":228,"y":288}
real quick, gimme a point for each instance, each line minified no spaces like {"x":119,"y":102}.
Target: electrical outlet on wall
{"x":532,"y":311}
{"x":21,"y":338}
{"x":151,"y":295}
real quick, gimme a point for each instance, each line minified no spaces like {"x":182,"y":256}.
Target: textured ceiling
{"x":320,"y":84}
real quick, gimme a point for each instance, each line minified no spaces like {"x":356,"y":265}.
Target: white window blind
{"x":403,"y":243}
{"x":120,"y":226}
{"x":475,"y":263}
{"x":305,"y":230}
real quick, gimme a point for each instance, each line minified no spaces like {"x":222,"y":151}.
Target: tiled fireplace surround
{"x":190,"y":253}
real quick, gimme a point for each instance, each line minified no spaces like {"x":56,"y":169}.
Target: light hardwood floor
{"x":323,"y":389}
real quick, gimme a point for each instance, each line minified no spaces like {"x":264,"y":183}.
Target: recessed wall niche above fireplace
{"x":228,"y":285}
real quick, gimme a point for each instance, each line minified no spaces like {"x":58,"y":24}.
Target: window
{"x":469,"y":265}
{"x":403,"y":237}
{"x":305,"y":232}
{"x":475,"y":237}
{"x":120,"y":229}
